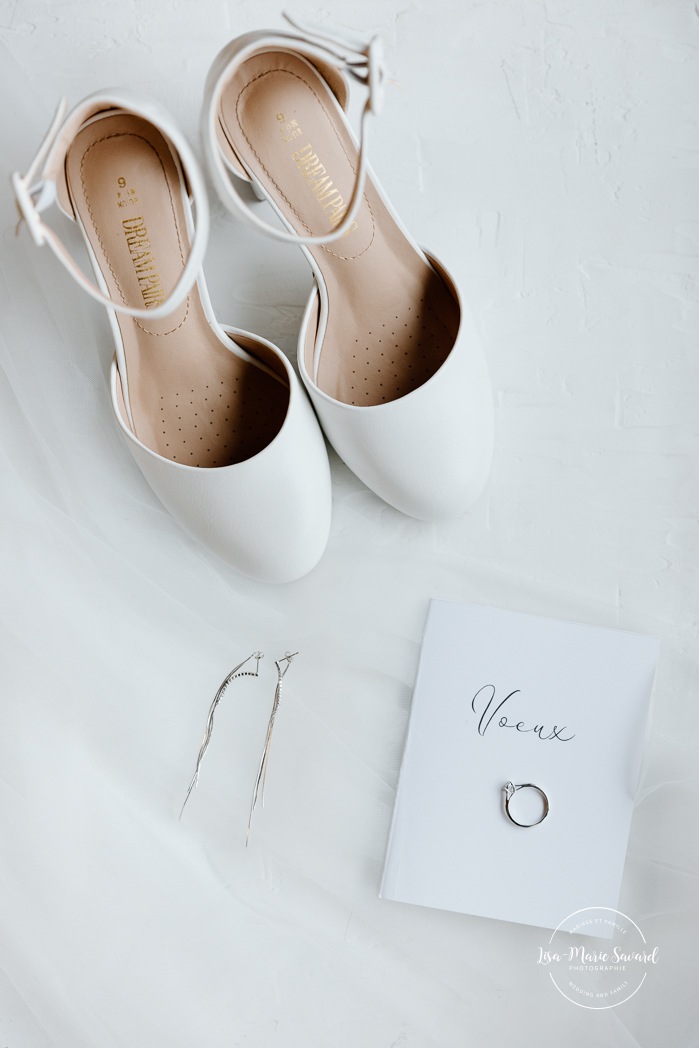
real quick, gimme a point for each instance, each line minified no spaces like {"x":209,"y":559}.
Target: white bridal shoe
{"x":388,"y":351}
{"x":215,"y":417}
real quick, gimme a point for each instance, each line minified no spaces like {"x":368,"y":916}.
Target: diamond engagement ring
{"x":509,"y":789}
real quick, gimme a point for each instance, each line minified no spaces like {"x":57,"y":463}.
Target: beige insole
{"x":193,"y":399}
{"x":391,"y":318}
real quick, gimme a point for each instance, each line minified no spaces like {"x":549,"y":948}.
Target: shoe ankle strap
{"x":37,"y":190}
{"x":362,"y":61}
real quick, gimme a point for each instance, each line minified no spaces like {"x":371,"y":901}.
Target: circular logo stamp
{"x":597,"y":958}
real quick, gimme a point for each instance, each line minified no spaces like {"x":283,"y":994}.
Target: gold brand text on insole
{"x":319,"y":182}
{"x":139,"y":245}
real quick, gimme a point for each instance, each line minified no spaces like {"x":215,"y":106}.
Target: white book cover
{"x":502,"y":696}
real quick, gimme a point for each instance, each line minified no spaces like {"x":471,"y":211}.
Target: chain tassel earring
{"x":235,"y":673}
{"x":259,"y":789}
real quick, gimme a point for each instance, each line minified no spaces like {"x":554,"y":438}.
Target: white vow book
{"x":506,"y":697}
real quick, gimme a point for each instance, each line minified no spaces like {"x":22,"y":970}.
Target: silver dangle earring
{"x":264,"y":760}
{"x":233,"y":675}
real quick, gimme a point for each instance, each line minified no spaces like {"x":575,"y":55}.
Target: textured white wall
{"x":549,"y":152}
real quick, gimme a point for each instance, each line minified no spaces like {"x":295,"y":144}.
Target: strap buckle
{"x":376,"y":75}
{"x":33,"y":192}
{"x":31,"y":201}
{"x":365,"y":62}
